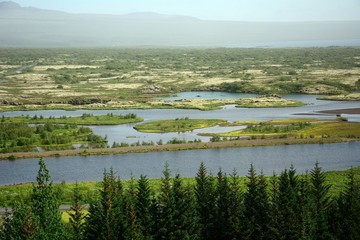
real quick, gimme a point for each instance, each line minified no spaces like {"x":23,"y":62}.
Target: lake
{"x":126,"y":133}
{"x":268,"y":159}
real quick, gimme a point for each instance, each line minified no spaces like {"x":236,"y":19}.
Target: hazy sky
{"x":239,"y":10}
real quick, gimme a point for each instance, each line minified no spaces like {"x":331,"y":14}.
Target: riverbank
{"x":175,"y":147}
{"x":342,"y":111}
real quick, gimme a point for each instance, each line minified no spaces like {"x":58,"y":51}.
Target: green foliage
{"x":177,"y":125}
{"x":290,"y":206}
{"x":20,"y":137}
{"x":40,"y":219}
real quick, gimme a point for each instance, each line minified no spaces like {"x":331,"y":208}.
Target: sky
{"x":236,"y":10}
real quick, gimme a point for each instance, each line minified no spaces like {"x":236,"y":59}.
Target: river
{"x":269,"y":159}
{"x":126,"y":133}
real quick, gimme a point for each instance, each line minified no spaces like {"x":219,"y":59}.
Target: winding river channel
{"x":268,"y":159}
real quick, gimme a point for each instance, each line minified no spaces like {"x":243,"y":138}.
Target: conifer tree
{"x":205,"y":207}
{"x":133,"y":230}
{"x":45,"y":206}
{"x":77,"y":215}
{"x":20,"y":224}
{"x":106,"y":219}
{"x":256,"y":207}
{"x":235,"y":207}
{"x":222,"y":194}
{"x":290,"y":222}
{"x":347,"y":220}
{"x":321,"y":203}
{"x":165,"y":221}
{"x":184,"y":217}
{"x":143,"y":208}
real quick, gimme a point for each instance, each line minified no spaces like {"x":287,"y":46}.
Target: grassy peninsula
{"x":177,"y":125}
{"x":296,"y":128}
{"x":85,"y":119}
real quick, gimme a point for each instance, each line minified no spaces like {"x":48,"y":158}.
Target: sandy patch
{"x":31,"y":77}
{"x":215,"y":81}
{"x":121,"y":85}
{"x":4,"y":67}
{"x":255,"y":71}
{"x":335,"y":72}
{"x":57,"y":67}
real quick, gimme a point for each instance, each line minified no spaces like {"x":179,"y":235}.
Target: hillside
{"x":32,"y":27}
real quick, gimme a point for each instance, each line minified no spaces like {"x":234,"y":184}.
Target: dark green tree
{"x":235,"y":208}
{"x":184,"y":216}
{"x":133,"y":230}
{"x":205,"y":199}
{"x":256,"y":207}
{"x":321,"y":203}
{"x":346,"y":222}
{"x":45,"y":206}
{"x":77,"y":216}
{"x":106,"y":219}
{"x":143,"y":208}
{"x":165,"y":221}
{"x":21,"y":224}
{"x":290,"y":222}
{"x":222,"y":204}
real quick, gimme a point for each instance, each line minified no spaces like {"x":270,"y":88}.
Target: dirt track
{"x":174,"y":147}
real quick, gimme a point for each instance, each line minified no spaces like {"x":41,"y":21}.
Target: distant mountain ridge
{"x":33,"y":27}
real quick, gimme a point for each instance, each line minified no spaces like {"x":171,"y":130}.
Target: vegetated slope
{"x":32,"y":27}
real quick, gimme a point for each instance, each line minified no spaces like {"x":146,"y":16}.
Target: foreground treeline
{"x":289,"y":206}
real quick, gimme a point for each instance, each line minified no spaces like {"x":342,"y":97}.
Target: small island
{"x":268,"y":101}
{"x":177,"y":125}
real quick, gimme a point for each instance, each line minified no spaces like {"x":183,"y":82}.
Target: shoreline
{"x":174,"y":147}
{"x":341,"y":111}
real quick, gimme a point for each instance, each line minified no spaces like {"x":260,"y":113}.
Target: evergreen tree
{"x":222,"y":204}
{"x":288,"y":204}
{"x":106,"y":219}
{"x":274,"y":224}
{"x":235,"y":207}
{"x":45,"y":206}
{"x":256,"y":207}
{"x":143,"y":208}
{"x":347,"y":220}
{"x":321,"y":203}
{"x":133,"y":230}
{"x":205,"y":199}
{"x":21,"y":224}
{"x":77,"y":215}
{"x":184,"y":217}
{"x":165,"y":221}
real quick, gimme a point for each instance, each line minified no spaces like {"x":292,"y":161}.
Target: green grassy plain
{"x":136,"y":78}
{"x":177,"y":125}
{"x":85,"y":119}
{"x":296,"y":128}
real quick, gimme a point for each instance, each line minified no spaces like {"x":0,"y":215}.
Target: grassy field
{"x":267,"y":102}
{"x":296,"y":128}
{"x":85,"y":119}
{"x":136,"y":78}
{"x":90,"y":190}
{"x":177,"y":125}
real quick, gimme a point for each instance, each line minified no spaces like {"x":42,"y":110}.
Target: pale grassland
{"x":344,"y":97}
{"x":138,"y":76}
{"x":57,"y":67}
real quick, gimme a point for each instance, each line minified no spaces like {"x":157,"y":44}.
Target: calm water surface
{"x":268,"y":159}
{"x":126,"y":133}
